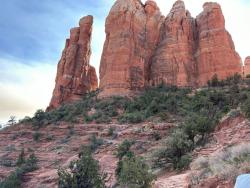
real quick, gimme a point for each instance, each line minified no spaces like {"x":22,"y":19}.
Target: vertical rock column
{"x":216,"y":52}
{"x":75,"y":77}
{"x":131,"y":36}
{"x":173,"y":62}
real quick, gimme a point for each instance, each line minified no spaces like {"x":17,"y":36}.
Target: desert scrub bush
{"x":246,"y":108}
{"x":124,"y":149}
{"x":40,"y":118}
{"x":175,"y":153}
{"x":21,"y":158}
{"x":226,"y":164}
{"x":95,"y":142}
{"x":36,"y":136}
{"x":135,"y":117}
{"x":111,"y":131}
{"x":84,"y":172}
{"x":134,"y":173}
{"x":14,"y":180}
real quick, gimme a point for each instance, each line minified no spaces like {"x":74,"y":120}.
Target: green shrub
{"x":156,"y":136}
{"x":84,"y":173}
{"x":95,"y":143}
{"x":37,"y":136}
{"x":31,"y":163}
{"x":246,"y":108}
{"x":14,"y":180}
{"x":124,"y":149}
{"x":135,"y":173}
{"x":135,"y":117}
{"x":21,"y":158}
{"x":184,"y":162}
{"x":177,"y":146}
{"x":111,"y":131}
{"x":40,"y":118}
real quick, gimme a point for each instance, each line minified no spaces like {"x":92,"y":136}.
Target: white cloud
{"x":24,"y":88}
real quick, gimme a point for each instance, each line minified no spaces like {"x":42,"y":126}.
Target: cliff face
{"x":144,"y":49}
{"x":132,"y":32}
{"x":75,"y":76}
{"x":216,"y":52}
{"x":247,"y":66}
{"x":173,"y":61}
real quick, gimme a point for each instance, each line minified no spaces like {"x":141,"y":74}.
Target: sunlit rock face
{"x":143,"y":48}
{"x":75,"y":77}
{"x":215,"y":51}
{"x":132,"y":34}
{"x":247,"y":66}
{"x":173,"y":61}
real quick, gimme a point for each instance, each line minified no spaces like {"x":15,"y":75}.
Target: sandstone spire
{"x":173,"y":62}
{"x":215,"y":52}
{"x":75,"y":76}
{"x":132,"y":32}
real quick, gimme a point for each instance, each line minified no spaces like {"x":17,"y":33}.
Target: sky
{"x":33,"y":33}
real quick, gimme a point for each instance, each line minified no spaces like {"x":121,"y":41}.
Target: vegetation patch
{"x":14,"y":180}
{"x":227,"y":164}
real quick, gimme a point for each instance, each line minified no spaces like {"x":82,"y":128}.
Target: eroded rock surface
{"x":247,"y":66}
{"x":132,"y":33}
{"x":173,"y":62}
{"x":143,"y":48}
{"x":216,"y":52}
{"x":75,"y":76}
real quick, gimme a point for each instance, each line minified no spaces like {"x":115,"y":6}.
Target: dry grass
{"x":226,"y":164}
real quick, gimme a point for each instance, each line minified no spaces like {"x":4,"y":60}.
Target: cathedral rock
{"x":75,"y":76}
{"x":143,"y":48}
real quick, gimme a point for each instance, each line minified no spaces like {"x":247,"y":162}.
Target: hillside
{"x":151,"y":121}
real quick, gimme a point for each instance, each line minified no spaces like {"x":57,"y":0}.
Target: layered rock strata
{"x":246,"y":70}
{"x":143,"y":48}
{"x":132,"y":33}
{"x":75,"y":76}
{"x":216,"y":52}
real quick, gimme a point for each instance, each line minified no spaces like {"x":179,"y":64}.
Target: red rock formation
{"x":75,"y":76}
{"x":132,"y":32}
{"x":173,"y":62}
{"x":216,"y":52}
{"x":142,"y":49}
{"x":247,"y":66}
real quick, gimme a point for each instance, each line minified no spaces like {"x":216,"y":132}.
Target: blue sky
{"x":33,"y":33}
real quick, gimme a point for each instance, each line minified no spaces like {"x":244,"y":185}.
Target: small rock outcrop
{"x":132,"y":33}
{"x":75,"y":77}
{"x":247,"y":66}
